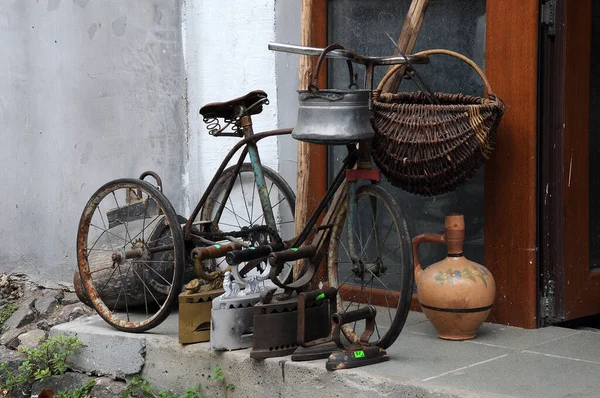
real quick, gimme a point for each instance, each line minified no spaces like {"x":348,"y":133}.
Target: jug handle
{"x":424,"y":238}
{"x":313,"y":86}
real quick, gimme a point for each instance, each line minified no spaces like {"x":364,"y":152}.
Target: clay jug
{"x":455,"y":294}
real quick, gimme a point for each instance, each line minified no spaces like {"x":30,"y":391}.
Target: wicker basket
{"x":431,"y":149}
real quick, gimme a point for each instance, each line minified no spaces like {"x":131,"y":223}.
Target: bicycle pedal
{"x":356,"y":355}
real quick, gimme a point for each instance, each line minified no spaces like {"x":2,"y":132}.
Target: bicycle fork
{"x":359,"y":267}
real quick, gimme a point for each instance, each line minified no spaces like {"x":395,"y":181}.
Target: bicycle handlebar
{"x":348,"y":55}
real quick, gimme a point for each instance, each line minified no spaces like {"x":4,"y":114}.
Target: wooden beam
{"x":510,"y":173}
{"x":312,"y":158}
{"x":408,"y":38}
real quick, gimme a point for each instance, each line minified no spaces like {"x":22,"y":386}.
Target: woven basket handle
{"x":454,"y":54}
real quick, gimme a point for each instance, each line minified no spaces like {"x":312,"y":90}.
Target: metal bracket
{"x":549,"y":16}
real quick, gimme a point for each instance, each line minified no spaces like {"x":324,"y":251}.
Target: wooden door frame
{"x":512,"y":31}
{"x":569,"y":291}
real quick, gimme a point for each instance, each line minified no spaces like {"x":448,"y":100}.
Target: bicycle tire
{"x":282,"y":190}
{"x":160,"y":278}
{"x":400,"y":257}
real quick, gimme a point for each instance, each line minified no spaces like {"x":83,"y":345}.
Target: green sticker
{"x":294,"y":249}
{"x":359,"y":354}
{"x":320,"y":297}
{"x":218,"y":246}
{"x":252,"y":248}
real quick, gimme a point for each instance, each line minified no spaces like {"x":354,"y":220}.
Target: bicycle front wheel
{"x":374,"y":266}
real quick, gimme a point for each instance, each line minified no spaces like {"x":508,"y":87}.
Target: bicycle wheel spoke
{"x":253,"y":192}
{"x":237,"y":216}
{"x":149,"y":291}
{"x":153,"y":270}
{"x":121,"y":290}
{"x":105,"y":227}
{"x":244,"y":197}
{"x":101,"y":269}
{"x":109,"y":233}
{"x":119,"y":208}
{"x":106,"y":282}
{"x":144,"y":219}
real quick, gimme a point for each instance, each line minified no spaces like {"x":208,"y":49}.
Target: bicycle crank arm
{"x":236,"y":257}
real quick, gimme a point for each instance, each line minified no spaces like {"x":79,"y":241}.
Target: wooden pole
{"x":312,"y":159}
{"x":408,"y":38}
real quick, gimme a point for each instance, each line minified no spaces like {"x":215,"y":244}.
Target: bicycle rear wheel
{"x":130,"y":254}
{"x":243,"y":213}
{"x":382,"y":273}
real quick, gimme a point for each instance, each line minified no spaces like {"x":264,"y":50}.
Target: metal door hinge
{"x":549,"y":16}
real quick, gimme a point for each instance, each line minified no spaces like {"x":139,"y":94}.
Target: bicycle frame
{"x":248,"y":143}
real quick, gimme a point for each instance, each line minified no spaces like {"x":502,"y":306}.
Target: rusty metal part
{"x":134,"y":209}
{"x":275,"y":329}
{"x":360,"y":353}
{"x":118,"y":320}
{"x":295,"y":253}
{"x":362,"y":174}
{"x":322,"y":346}
{"x":192,"y":286}
{"x":356,"y":356}
{"x":240,"y":144}
{"x":79,"y":290}
{"x":200,"y":254}
{"x":156,"y":178}
{"x":119,"y":257}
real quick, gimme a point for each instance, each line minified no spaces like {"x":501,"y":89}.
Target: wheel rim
{"x":379,"y":275}
{"x":243,"y":211}
{"x":129,"y":245}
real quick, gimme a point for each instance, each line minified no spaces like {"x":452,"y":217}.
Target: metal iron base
{"x":275,"y":329}
{"x":317,"y":351}
{"x":232,"y":322}
{"x":194,"y":315}
{"x":354,"y":356}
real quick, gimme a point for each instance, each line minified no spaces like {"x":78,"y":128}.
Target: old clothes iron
{"x":232,"y":314}
{"x":357,"y":354}
{"x":276,"y":325}
{"x":194,"y":315}
{"x":321,"y":346}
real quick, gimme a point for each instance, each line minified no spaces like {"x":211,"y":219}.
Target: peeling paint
{"x":119,"y":25}
{"x":53,"y":5}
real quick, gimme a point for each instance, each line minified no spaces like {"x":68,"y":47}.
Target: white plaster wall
{"x":287,"y":30}
{"x":226,"y":56}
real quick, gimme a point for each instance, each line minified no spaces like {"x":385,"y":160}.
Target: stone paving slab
{"x":502,"y":361}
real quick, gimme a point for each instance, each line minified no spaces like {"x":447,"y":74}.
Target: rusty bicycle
{"x":135,"y":252}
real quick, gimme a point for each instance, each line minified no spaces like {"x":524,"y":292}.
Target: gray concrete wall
{"x":287,"y":30}
{"x":89,"y":91}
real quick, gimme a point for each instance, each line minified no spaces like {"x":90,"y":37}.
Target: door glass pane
{"x":459,"y":25}
{"x":595,"y":140}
